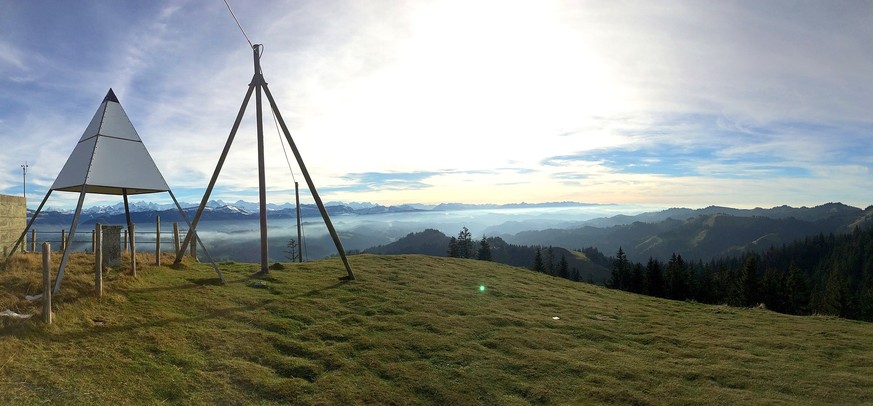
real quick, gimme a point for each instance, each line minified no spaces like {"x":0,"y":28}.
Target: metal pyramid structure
{"x":109,"y":159}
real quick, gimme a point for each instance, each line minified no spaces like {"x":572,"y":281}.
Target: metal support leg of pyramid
{"x":257,"y":85}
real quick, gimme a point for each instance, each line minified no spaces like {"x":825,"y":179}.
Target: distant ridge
{"x":702,"y":234}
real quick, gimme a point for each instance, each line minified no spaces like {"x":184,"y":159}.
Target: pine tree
{"x":704,"y":291}
{"x":677,"y":280}
{"x":773,"y":290}
{"x":538,"y":261}
{"x":453,"y":248}
{"x":465,"y":243}
{"x":564,"y":268}
{"x":749,"y":289}
{"x":484,"y":250}
{"x":620,"y":271}
{"x":654,"y":278}
{"x":836,"y":294}
{"x":292,"y":253}
{"x":550,"y":261}
{"x":796,"y":291}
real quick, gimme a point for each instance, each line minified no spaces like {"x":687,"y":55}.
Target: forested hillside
{"x":556,"y":261}
{"x":825,"y":274}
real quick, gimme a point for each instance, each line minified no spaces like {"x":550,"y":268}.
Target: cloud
{"x":373,"y":181}
{"x":562,"y":98}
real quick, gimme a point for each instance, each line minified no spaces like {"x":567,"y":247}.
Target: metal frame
{"x":257,"y":85}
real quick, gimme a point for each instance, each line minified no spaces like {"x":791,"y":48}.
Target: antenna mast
{"x":24,"y":180}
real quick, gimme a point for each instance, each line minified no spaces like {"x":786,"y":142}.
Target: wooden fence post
{"x":46,"y":283}
{"x":93,"y":240}
{"x":176,"y":238}
{"x":63,"y":240}
{"x":33,"y":240}
{"x":124,"y":241}
{"x":98,"y":260}
{"x":194,"y":250}
{"x":132,"y":234}
{"x":157,"y":240}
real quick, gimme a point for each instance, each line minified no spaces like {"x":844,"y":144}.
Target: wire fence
{"x":85,"y":239}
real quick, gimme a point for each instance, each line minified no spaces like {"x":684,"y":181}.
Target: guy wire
{"x":238,"y":24}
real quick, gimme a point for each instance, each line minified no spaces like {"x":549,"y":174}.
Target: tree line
{"x":830,"y":275}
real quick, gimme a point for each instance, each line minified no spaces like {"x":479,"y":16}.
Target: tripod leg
{"x":212,"y":181}
{"x":333,"y":234}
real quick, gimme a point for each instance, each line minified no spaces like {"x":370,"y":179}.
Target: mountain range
{"x":701,"y":234}
{"x":240,"y":210}
{"x":696,"y":234}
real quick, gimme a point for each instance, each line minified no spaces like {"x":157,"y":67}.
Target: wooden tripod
{"x":257,"y":85}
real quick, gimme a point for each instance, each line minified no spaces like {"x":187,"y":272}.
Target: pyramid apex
{"x":110,"y":96}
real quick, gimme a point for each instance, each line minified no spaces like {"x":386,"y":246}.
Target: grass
{"x":411,"y":330}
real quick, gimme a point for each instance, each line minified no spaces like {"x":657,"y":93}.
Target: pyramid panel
{"x":75,"y":171}
{"x":116,"y":124}
{"x":124,"y":164}
{"x":94,"y":125}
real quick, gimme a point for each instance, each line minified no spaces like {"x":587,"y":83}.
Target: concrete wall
{"x":12,"y":221}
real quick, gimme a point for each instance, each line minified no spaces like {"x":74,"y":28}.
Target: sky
{"x":668,"y":103}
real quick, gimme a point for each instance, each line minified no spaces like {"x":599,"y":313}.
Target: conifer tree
{"x":796,"y":291}
{"x":564,"y":268}
{"x":677,"y":280}
{"x":550,"y":266}
{"x":703,"y":293}
{"x":453,"y":248}
{"x":620,"y":271}
{"x":538,"y":261}
{"x":836,"y":299}
{"x":749,"y":290}
{"x":465,"y":243}
{"x":654,"y":278}
{"x":484,"y":250}
{"x":293,"y":252}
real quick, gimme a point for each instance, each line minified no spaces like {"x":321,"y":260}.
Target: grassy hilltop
{"x":411,"y":330}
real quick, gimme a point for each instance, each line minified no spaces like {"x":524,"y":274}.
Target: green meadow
{"x":410,"y":330}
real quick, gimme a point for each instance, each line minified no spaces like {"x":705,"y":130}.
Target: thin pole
{"x":98,"y":259}
{"x":180,"y":252}
{"x":333,"y":234}
{"x":66,"y":253}
{"x":157,"y":240}
{"x":24,"y":181}
{"x":299,"y":230}
{"x":46,"y":283}
{"x":176,"y":240}
{"x":132,"y":228}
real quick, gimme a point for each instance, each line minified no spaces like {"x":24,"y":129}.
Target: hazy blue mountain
{"x":704,"y":233}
